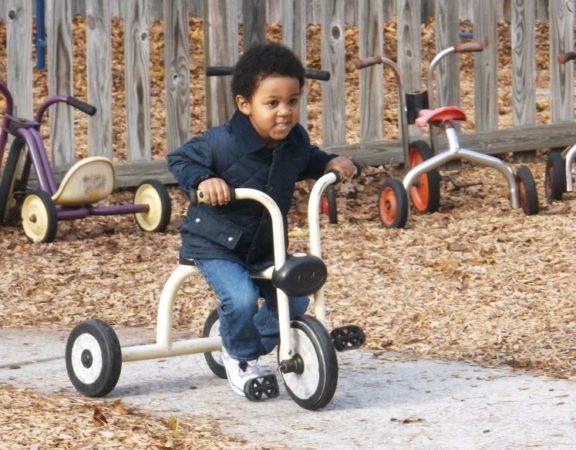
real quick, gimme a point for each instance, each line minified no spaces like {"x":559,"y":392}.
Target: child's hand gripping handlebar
{"x":197,"y":197}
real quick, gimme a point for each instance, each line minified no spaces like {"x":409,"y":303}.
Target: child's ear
{"x":243,"y":105}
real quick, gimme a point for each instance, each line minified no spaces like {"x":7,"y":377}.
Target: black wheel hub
{"x":294,"y":365}
{"x":86,"y":358}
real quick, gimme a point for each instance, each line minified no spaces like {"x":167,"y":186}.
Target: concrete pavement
{"x":383,"y":400}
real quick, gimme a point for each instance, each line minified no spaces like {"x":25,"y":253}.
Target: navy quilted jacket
{"x":241,"y":231}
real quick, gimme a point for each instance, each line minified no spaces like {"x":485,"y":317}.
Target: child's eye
{"x":272,"y":103}
{"x":294,"y":101}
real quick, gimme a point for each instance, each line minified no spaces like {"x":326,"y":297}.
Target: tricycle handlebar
{"x":565,"y":57}
{"x":80,"y":105}
{"x":218,"y":71}
{"x":367,"y":62}
{"x":468,"y":47}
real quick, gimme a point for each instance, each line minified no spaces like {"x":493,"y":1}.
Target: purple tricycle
{"x":87,"y":182}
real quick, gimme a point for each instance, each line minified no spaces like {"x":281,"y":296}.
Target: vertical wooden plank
{"x":59,"y":63}
{"x":409,"y":49}
{"x":333,"y":60}
{"x":137,"y":80}
{"x":19,"y":51}
{"x":561,"y":41}
{"x":155,"y":10}
{"x":486,"y":65}
{"x":523,"y":13}
{"x":390,"y":9}
{"x":221,"y":38}
{"x":371,"y":43}
{"x":274,"y":10}
{"x":542,"y":10}
{"x":99,"y":67}
{"x":314,"y":12}
{"x":351,"y":8}
{"x":254,"y":20}
{"x":294,"y":26}
{"x":177,"y":73}
{"x":447,"y":13}
{"x":467,"y":9}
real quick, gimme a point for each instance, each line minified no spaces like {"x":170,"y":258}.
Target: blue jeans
{"x":247,"y":331}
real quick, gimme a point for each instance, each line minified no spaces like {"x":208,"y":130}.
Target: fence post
{"x":561,"y":75}
{"x":19,"y":43}
{"x":99,"y":66}
{"x":177,"y":73}
{"x":370,"y":20}
{"x":60,"y":79}
{"x":294,"y":26}
{"x":447,"y":35}
{"x":333,"y":60}
{"x":486,"y":65}
{"x":254,"y":20}
{"x":220,"y":29}
{"x":137,"y":80}
{"x":409,"y":49}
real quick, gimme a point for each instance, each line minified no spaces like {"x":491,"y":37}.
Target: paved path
{"x":383,"y":400}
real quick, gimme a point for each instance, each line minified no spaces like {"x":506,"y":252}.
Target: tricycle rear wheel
{"x":425,"y":193}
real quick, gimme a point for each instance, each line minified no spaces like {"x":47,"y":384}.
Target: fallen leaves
{"x":104,"y":424}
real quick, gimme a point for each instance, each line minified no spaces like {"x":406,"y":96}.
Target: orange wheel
{"x":393,"y":204}
{"x":328,"y":205}
{"x":527,"y":194}
{"x":425,"y":193}
{"x":555,"y":176}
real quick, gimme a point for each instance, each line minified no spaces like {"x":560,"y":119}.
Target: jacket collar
{"x":250,"y":141}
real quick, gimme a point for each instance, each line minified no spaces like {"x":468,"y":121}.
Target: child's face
{"x":274,"y":108}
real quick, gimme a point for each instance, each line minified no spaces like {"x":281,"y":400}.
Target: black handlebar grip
{"x":218,"y":71}
{"x":321,"y":75}
{"x":82,"y":106}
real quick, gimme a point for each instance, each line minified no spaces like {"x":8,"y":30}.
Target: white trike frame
{"x":165,"y":346}
{"x":570,"y":158}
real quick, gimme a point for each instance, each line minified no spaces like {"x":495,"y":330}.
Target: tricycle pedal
{"x":261,"y":388}
{"x":348,"y":337}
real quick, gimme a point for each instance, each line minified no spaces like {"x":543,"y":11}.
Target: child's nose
{"x":285,"y":109}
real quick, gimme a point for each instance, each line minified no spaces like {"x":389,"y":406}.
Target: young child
{"x":261,"y":147}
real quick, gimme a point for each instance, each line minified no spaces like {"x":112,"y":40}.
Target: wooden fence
{"x":221,"y":20}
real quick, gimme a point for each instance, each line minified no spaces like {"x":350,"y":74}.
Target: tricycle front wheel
{"x":313,"y":377}
{"x":93,"y":358}
{"x":39,"y":219}
{"x":393,"y":204}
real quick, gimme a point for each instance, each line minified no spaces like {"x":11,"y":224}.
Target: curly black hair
{"x":261,"y":61}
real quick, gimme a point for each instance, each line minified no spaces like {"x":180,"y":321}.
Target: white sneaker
{"x":239,"y":373}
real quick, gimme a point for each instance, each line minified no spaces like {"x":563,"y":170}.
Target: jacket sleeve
{"x":191,"y":163}
{"x":317,"y":159}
